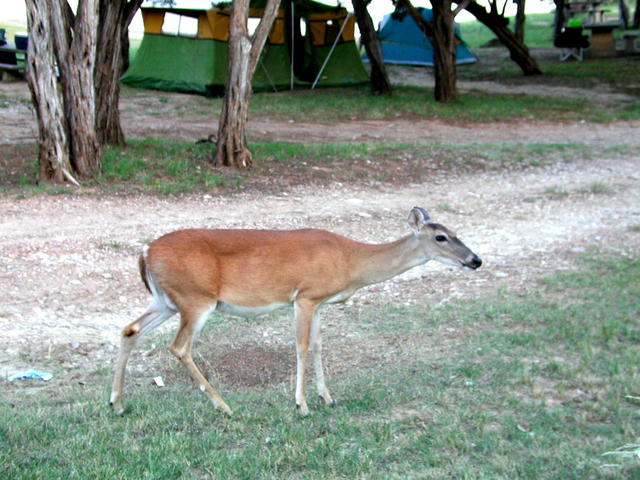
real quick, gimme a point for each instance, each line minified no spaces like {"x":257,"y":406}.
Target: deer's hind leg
{"x":191,"y":322}
{"x":316,"y":350}
{"x":155,"y":315}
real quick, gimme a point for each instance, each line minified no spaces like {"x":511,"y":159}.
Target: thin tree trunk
{"x":107,"y":73}
{"x":623,"y":8}
{"x":76,"y":61}
{"x":441,"y":35}
{"x":520,"y":20}
{"x":445,"y":54}
{"x":424,"y":26}
{"x":558,"y":19}
{"x":53,"y":151}
{"x":380,"y":83}
{"x":115,"y":16}
{"x":232,"y":140}
{"x":232,"y":147}
{"x":498,"y":24}
{"x":636,"y":16}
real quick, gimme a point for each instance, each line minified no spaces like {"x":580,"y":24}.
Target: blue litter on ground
{"x":31,"y":374}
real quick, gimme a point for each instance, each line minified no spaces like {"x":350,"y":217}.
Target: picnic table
{"x":12,"y":59}
{"x":602,"y":35}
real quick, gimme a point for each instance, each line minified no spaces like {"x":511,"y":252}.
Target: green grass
{"x":357,"y":104}
{"x":160,"y":166}
{"x":538,"y":31}
{"x":347,"y":104}
{"x":174,"y":167}
{"x":599,"y":188}
{"x":556,"y":192}
{"x":522,"y":386}
{"x":169,"y":167}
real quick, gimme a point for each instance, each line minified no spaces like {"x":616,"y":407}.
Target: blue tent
{"x":403,"y":42}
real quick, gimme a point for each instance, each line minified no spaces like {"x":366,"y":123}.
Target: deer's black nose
{"x":475,"y":262}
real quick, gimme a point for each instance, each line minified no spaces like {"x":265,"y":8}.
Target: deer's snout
{"x":475,"y":262}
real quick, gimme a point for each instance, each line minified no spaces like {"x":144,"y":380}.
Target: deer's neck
{"x":381,"y":262}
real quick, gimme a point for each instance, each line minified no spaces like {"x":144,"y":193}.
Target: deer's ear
{"x":418,"y":217}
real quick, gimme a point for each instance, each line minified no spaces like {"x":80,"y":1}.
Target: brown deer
{"x":252,"y":272}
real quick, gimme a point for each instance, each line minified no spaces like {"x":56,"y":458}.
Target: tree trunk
{"x":76,"y":53}
{"x":115,"y":16}
{"x":623,"y":8}
{"x":53,"y":152}
{"x":558,"y":19}
{"x":498,"y":24}
{"x":232,"y":149}
{"x":380,"y":83}
{"x":75,"y":94}
{"x":520,"y":19}
{"x":636,"y":16}
{"x":444,"y":51}
{"x":441,"y":35}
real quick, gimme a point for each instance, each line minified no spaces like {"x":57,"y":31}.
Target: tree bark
{"x":75,"y":46}
{"x":232,"y":148}
{"x":76,"y":94}
{"x":380,"y":83}
{"x":445,"y":54}
{"x":115,"y":17}
{"x":520,"y":20}
{"x":558,"y":19}
{"x":636,"y":16}
{"x":498,"y":24}
{"x":53,"y":152}
{"x":623,"y":8}
{"x":441,"y":35}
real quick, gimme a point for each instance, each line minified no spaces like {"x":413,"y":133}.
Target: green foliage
{"x":527,"y":386}
{"x":159,"y":166}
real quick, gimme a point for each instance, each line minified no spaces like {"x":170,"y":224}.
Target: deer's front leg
{"x":304,"y":311}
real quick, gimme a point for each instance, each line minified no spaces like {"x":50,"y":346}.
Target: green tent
{"x":310,"y":44}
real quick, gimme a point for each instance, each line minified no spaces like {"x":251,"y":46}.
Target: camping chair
{"x":572,"y":42}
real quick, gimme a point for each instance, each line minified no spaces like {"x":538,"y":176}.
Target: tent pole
{"x":333,"y":47}
{"x":293,"y":43}
{"x":266,"y":72}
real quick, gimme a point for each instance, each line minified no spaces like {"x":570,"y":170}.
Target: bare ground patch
{"x":68,"y":263}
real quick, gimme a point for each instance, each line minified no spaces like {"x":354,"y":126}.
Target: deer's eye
{"x":441,"y":238}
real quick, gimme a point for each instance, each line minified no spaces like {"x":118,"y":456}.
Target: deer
{"x":196,"y":272}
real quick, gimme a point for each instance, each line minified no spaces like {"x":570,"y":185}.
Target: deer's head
{"x":440,"y":243}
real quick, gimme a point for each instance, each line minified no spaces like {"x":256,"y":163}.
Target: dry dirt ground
{"x":68,"y":264}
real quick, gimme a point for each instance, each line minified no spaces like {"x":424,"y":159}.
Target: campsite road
{"x":147,"y":117}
